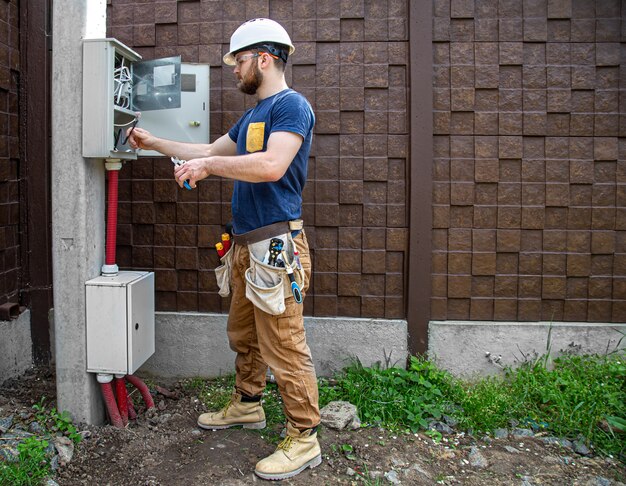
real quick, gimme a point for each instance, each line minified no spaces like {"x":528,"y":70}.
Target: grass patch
{"x":394,"y":397}
{"x":35,"y":453}
{"x":573,"y":397}
{"x":576,"y":396}
{"x":215,"y":394}
{"x":32,"y":467}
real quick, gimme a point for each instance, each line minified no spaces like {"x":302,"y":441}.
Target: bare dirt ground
{"x":164,"y":447}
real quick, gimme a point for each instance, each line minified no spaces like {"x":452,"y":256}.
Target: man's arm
{"x":267,"y":166}
{"x":140,"y":138}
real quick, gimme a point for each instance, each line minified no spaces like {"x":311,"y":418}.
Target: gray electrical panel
{"x":164,"y":96}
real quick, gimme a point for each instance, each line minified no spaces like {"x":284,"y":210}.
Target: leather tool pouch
{"x":222,"y":273}
{"x":268,"y":286}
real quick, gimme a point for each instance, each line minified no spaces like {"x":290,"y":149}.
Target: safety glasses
{"x":241,"y":59}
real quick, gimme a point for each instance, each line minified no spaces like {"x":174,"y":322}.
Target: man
{"x":266,"y":153}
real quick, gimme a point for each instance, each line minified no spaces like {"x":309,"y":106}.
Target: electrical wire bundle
{"x":123,"y":85}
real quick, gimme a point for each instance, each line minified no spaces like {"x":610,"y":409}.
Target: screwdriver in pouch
{"x":176,"y":161}
{"x":295,"y":289}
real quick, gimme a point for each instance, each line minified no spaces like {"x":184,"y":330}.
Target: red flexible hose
{"x":109,"y":401}
{"x":132,"y":415}
{"x":112,"y":217}
{"x":122,"y":399}
{"x":143,"y":389}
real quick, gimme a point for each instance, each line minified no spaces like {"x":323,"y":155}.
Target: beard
{"x":251,"y":82}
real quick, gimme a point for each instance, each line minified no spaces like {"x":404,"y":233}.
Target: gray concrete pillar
{"x":78,"y":232}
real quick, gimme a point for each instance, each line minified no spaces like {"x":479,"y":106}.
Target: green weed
{"x":570,"y":396}
{"x":394,"y":397}
{"x":55,"y":422}
{"x":33,"y":465}
{"x":580,"y":396}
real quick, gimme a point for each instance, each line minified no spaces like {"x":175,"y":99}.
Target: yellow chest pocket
{"x":255,"y":136}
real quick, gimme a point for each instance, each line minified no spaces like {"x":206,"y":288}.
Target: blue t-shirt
{"x":257,"y":204}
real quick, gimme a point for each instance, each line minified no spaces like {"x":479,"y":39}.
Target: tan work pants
{"x":261,"y":339}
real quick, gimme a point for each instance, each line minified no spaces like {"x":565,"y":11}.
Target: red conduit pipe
{"x":122,"y":399}
{"x":143,"y":389}
{"x":132,"y":415}
{"x":112,"y":217}
{"x":109,"y":400}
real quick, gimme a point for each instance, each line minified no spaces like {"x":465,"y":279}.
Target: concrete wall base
{"x":194,"y":344}
{"x":16,"y":348}
{"x":461,"y":347}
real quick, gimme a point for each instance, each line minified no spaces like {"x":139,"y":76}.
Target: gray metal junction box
{"x":171,"y":97}
{"x":120,"y":322}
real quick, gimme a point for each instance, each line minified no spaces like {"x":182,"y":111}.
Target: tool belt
{"x":267,"y":285}
{"x":265,"y":232}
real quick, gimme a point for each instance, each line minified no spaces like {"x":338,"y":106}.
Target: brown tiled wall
{"x":10,"y":263}
{"x":529,"y":190}
{"x":351,"y":63}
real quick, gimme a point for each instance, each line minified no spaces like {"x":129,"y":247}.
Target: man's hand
{"x":138,"y":138}
{"x":192,"y":171}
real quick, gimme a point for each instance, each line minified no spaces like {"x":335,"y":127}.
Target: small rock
{"x":375,"y":474}
{"x":517,"y":433}
{"x":355,"y":424}
{"x":556,"y":441}
{"x":512,"y":450}
{"x":196,"y":432}
{"x":567,"y":460}
{"x":50,"y":450}
{"x":54,"y":463}
{"x":65,"y":448}
{"x":446,"y":454}
{"x":398,"y":462}
{"x":350,"y":472}
{"x":51,"y":482}
{"x":85,"y":434}
{"x":527,"y":481}
{"x":601,"y":481}
{"x":580,"y":448}
{"x":17,"y":434}
{"x":451,"y":421}
{"x":338,"y":414}
{"x":6,"y":423}
{"x":501,"y":433}
{"x":392,"y":477}
{"x":165,"y":418}
{"x":161,"y":406}
{"x":419,"y":469}
{"x":440,"y":427}
{"x":476,"y":458}
{"x":9,"y":453}
{"x":36,"y":428}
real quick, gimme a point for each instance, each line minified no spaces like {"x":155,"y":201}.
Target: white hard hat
{"x":257,"y":31}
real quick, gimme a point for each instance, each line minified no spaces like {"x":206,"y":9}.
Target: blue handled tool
{"x":295,"y":289}
{"x":177,"y":162}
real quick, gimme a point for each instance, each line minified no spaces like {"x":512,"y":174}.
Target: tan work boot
{"x":248,"y":414}
{"x":293,"y":455}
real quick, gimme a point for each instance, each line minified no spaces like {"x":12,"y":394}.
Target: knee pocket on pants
{"x":290,"y":331}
